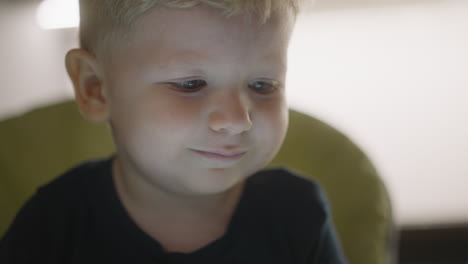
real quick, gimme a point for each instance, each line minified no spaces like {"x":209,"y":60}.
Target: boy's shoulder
{"x":286,"y":180}
{"x":288,"y":176}
{"x":82,"y":175}
{"x":289,"y":190}
{"x":290,"y":203}
{"x":57,"y":205}
{"x":76,"y":185}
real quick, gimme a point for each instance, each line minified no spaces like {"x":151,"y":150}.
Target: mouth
{"x":221,"y":155}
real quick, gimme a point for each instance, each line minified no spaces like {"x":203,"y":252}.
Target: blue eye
{"x":264,"y":87}
{"x":189,"y":86}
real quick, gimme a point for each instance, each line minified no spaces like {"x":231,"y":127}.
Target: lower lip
{"x":216,"y":156}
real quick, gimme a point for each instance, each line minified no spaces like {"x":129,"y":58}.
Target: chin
{"x":218,"y":181}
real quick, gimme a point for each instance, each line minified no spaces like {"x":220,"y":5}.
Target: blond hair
{"x":104,"y":21}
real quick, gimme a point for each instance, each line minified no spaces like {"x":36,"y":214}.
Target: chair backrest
{"x":41,"y":144}
{"x":359,"y":200}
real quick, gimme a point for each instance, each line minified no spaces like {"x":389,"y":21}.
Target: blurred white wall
{"x":394,"y":78}
{"x":32,"y":68}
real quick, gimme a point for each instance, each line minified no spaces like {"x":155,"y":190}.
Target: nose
{"x":231,"y":114}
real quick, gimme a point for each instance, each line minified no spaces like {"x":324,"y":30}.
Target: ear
{"x":90,"y":93}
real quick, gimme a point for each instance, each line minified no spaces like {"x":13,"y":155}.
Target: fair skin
{"x":196,"y":104}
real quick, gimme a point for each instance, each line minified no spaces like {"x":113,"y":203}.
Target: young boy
{"x":194,"y":95}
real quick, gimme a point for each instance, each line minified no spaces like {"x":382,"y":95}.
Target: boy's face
{"x":196,"y":100}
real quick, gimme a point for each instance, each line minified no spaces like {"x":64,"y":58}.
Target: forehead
{"x":186,"y":34}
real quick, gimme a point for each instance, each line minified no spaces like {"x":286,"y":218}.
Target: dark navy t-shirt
{"x":78,"y":218}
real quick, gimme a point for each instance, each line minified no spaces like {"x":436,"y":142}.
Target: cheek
{"x":272,"y":119}
{"x":170,"y":112}
{"x":163,"y":119}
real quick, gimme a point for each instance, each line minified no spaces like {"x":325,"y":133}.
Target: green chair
{"x":40,"y":145}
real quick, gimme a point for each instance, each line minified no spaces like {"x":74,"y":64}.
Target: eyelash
{"x":272,"y":87}
{"x":189,"y":86}
{"x":193,"y":86}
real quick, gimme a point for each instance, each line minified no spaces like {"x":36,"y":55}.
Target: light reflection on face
{"x":197,"y":100}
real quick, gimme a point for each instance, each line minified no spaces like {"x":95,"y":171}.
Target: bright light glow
{"x":53,"y":14}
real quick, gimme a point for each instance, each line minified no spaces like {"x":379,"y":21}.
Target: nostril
{"x":231,"y":113}
{"x":231,"y":124}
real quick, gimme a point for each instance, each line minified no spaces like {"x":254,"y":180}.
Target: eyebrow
{"x":187,"y":58}
{"x":184,"y":58}
{"x":270,"y":58}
